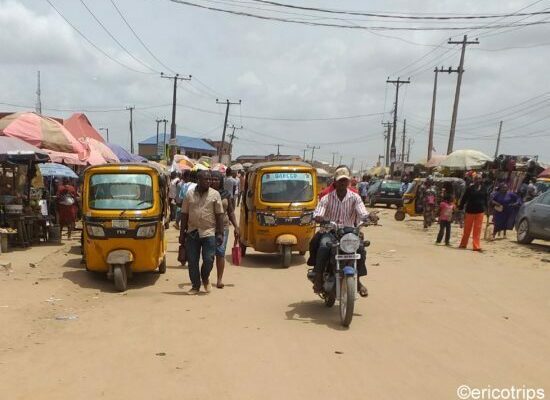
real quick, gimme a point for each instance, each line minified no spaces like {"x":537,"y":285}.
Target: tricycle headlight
{"x":349,"y":243}
{"x":95,"y":230}
{"x":269,"y":219}
{"x":146,"y":231}
{"x":306,"y":219}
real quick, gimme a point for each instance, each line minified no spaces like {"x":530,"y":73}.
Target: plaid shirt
{"x":347,"y":212}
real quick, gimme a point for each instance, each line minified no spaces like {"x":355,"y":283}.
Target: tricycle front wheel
{"x":120,"y":276}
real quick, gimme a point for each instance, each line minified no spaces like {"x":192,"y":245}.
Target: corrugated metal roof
{"x":187,"y":142}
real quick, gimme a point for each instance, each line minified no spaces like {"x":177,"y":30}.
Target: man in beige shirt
{"x":201,"y":230}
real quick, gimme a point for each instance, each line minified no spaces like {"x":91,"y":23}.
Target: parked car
{"x":533,"y":220}
{"x":385,"y":192}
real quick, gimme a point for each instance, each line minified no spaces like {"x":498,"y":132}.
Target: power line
{"x":138,"y":38}
{"x":350,"y":26}
{"x":94,"y":45}
{"x":113,"y":37}
{"x":399,"y":16}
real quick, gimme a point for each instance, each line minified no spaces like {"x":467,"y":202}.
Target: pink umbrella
{"x":99,"y":150}
{"x":42,"y":132}
{"x":65,"y":158}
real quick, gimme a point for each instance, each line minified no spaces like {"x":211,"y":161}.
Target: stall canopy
{"x":99,"y":152}
{"x":435,"y":161}
{"x":80,"y":127}
{"x":123,"y":155}
{"x":465,"y":160}
{"x":57,"y":170}
{"x":42,"y":132}
{"x":14,"y":150}
{"x":545,"y":173}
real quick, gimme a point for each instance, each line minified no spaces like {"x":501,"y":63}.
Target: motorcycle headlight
{"x":95,"y":230}
{"x":306,"y":219}
{"x":350,"y":243}
{"x":269,"y":219}
{"x":146,"y":231}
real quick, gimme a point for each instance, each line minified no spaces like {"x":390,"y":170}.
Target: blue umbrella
{"x":57,"y":170}
{"x":123,"y":155}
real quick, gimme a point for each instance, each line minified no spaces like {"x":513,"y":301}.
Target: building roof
{"x":187,"y":142}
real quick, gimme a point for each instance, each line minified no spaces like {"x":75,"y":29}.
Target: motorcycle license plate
{"x":348,"y":256}
{"x":121,"y":223}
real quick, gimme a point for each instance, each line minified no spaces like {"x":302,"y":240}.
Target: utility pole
{"x":131,"y":128}
{"x":106,"y":131}
{"x":411,"y":141}
{"x":397,"y":83}
{"x":227,"y":103}
{"x":231,"y":138}
{"x":176,"y":78}
{"x":304,"y":157}
{"x":361,"y":170}
{"x":312,"y":150}
{"x":464,"y":43}
{"x":388,"y":126}
{"x":352,"y":164}
{"x":38,"y":93}
{"x":158,"y":121}
{"x":333,"y":155}
{"x":165,"y":122}
{"x":498,"y":139}
{"x":380,"y":157}
{"x":340,"y":163}
{"x":403,"y":140}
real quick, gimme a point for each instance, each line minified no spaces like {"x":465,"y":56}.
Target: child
{"x":445,"y":218}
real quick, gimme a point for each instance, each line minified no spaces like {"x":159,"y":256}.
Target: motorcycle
{"x":340,"y":274}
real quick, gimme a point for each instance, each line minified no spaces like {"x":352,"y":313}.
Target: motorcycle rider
{"x":345,"y":207}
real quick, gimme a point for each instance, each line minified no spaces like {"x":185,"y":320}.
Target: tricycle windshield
{"x":121,"y":192}
{"x":287,"y":187}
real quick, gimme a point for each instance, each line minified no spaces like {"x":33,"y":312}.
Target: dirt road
{"x":436,"y":318}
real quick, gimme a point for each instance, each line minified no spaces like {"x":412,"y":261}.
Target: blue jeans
{"x":323,"y":255}
{"x":193,"y":246}
{"x":220,"y":250}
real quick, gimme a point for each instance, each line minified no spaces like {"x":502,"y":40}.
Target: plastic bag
{"x":236,"y":255}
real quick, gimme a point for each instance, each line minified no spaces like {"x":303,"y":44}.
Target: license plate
{"x":121,"y":223}
{"x":348,"y":256}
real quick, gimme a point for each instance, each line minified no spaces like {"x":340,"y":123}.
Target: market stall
{"x":21,"y":194}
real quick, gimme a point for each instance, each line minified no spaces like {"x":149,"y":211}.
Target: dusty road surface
{"x":436,"y":318}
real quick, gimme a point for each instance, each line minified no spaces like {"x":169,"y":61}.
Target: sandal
{"x":363,"y":292}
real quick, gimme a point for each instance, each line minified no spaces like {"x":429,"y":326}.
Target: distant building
{"x":217,"y":144}
{"x":271,"y":157}
{"x":190,"y":146}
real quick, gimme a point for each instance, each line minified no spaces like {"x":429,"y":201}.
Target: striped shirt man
{"x":348,"y":212}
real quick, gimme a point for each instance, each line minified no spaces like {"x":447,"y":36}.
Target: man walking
{"x":201,"y":230}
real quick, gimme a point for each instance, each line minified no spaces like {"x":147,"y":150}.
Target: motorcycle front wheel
{"x":347,"y":300}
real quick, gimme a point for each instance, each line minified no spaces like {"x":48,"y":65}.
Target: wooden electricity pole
{"x":227,"y":103}
{"x":131,"y":128}
{"x":397,"y":83}
{"x":464,"y":43}
{"x":498,"y":139}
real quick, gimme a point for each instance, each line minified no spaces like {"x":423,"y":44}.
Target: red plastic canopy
{"x":80,"y":127}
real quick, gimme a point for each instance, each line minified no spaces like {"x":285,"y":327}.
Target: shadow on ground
{"x":273,"y":261}
{"x":315,"y":312}
{"x":96,"y":280}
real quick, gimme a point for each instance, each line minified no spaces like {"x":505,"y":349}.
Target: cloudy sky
{"x":299,"y":85}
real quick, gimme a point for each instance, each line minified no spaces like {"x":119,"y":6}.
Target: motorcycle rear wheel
{"x":347,"y":300}
{"x":330,"y":299}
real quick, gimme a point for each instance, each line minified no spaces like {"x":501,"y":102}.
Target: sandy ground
{"x":436,"y":318}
